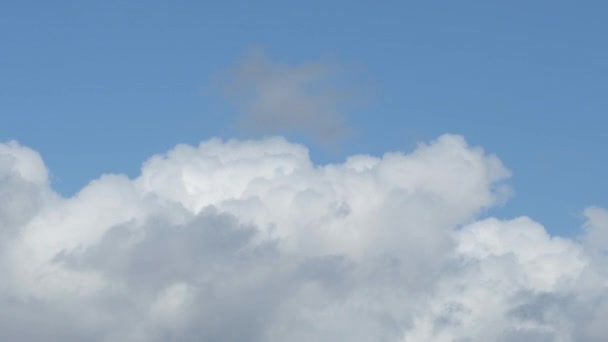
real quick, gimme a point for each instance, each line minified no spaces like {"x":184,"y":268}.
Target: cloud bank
{"x":250,"y":241}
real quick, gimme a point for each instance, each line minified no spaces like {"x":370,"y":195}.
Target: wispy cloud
{"x":276,"y":98}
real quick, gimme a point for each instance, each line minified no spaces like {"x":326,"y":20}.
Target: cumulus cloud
{"x":277,"y":98}
{"x":251,"y":241}
{"x":596,"y":229}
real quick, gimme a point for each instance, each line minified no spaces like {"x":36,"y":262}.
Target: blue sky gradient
{"x":98,"y":87}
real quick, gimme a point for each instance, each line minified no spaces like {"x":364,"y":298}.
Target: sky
{"x":97,"y":87}
{"x":479,"y":126}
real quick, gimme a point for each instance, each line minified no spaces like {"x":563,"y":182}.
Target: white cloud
{"x":510,"y":283}
{"x":596,"y":229}
{"x":249,"y":240}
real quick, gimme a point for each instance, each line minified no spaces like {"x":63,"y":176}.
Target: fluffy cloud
{"x":250,"y":241}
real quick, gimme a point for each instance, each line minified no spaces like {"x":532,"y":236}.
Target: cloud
{"x":278,"y":98}
{"x":249,"y":240}
{"x":596,"y":229}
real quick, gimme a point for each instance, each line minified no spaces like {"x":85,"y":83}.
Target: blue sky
{"x":98,"y":87}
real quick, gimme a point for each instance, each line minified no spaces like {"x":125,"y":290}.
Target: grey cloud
{"x":240,"y":288}
{"x":161,"y":252}
{"x":528,"y":335}
{"x":35,"y":320}
{"x":278,"y":98}
{"x":212,"y":256}
{"x":537,"y":307}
